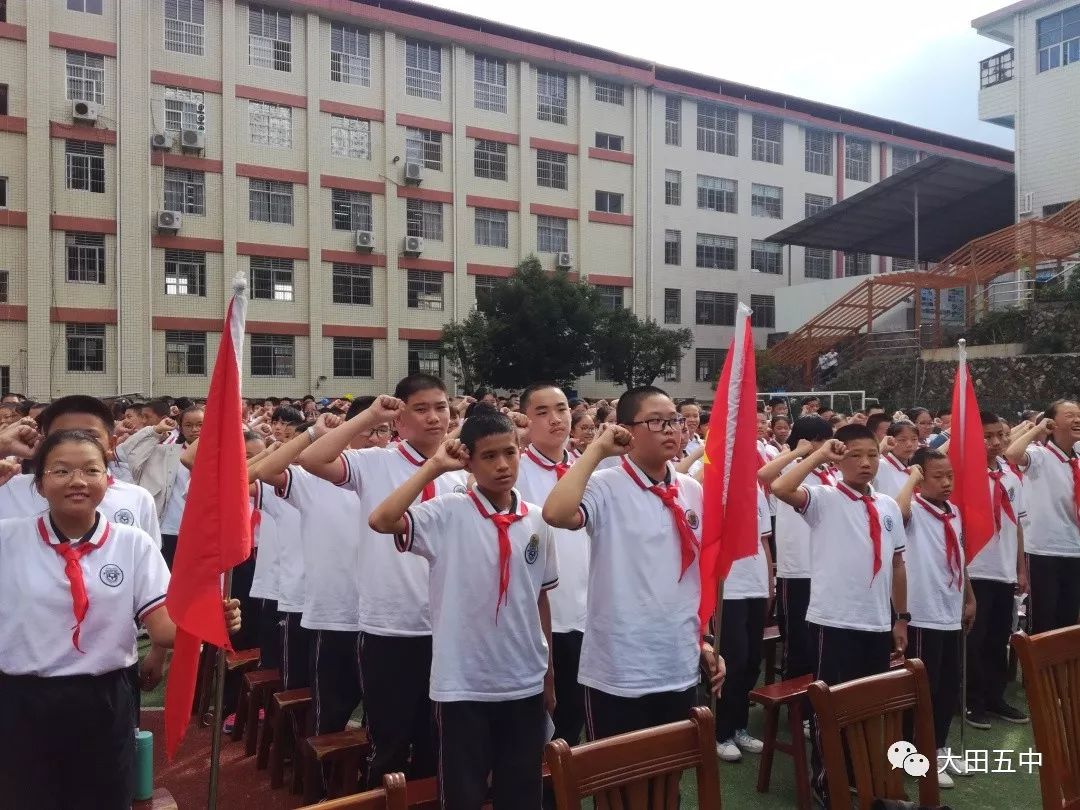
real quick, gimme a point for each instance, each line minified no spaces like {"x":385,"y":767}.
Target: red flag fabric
{"x":729,"y":525}
{"x":967,"y":452}
{"x":215,"y":533}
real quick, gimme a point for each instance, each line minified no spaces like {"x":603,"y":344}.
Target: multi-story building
{"x":369,"y":167}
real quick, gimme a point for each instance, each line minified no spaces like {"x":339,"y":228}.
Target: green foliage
{"x":1002,"y":326}
{"x":634,"y":351}
{"x":773,"y":376}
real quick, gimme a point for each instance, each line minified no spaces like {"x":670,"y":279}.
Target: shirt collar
{"x":95,"y":537}
{"x":411,"y":453}
{"x":517,"y":505}
{"x":642,"y":478}
{"x":532,"y":448}
{"x":948,"y":511}
{"x":1061,"y":454}
{"x":854,"y":493}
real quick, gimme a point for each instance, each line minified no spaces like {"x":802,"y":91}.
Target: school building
{"x":370,"y":167}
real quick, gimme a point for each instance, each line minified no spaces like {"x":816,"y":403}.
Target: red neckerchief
{"x":541,"y":461}
{"x":503,"y":521}
{"x":1016,"y":469}
{"x":874,"y":519}
{"x":72,"y":553}
{"x":1074,"y":463}
{"x":952,"y":542}
{"x":256,"y":513}
{"x":896,"y":463}
{"x":688,"y":542}
{"x":417,"y":461}
{"x":1000,"y":497}
{"x":825,"y":475}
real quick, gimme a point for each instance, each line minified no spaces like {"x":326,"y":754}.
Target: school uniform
{"x":891,"y":477}
{"x":695,"y":444}
{"x":766,"y":453}
{"x":264,"y":580}
{"x":489,"y":655}
{"x":154,"y":462}
{"x":641,"y":651}
{"x":1053,"y":544}
{"x":295,"y":640}
{"x":67,"y":711}
{"x":394,"y":617}
{"x":537,"y":476}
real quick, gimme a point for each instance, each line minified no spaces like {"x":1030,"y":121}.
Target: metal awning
{"x":956,"y":201}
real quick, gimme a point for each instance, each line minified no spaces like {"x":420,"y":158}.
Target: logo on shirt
{"x":124,"y":517}
{"x":461,"y":489}
{"x":111,"y":575}
{"x":532,"y":551}
{"x":1012,"y":494}
{"x":692,"y":518}
{"x":888,"y":521}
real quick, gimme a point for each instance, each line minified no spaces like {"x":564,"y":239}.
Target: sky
{"x":916,"y":62}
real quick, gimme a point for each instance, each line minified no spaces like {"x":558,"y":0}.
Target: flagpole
{"x":219,"y":708}
{"x":961,"y":358}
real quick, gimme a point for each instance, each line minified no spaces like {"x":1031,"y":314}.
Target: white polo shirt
{"x":766,"y":453}
{"x":392,"y":587}
{"x":642,"y":633}
{"x":535,"y":482}
{"x":290,"y":548}
{"x":935,"y":596}
{"x":124,"y":504}
{"x":844,"y":592}
{"x":749,"y":576}
{"x":125,"y":577}
{"x":996,"y":560}
{"x":891,"y":476}
{"x":1051,"y":509}
{"x":473,"y":656}
{"x":264,"y":582}
{"x":793,"y":533}
{"x":173,"y":513}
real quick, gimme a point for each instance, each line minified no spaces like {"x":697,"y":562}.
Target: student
{"x":492,"y":561}
{"x":923,"y":421}
{"x":642,"y":648}
{"x":900,"y":443}
{"x":856,"y":565}
{"x":689,"y":410}
{"x":780,"y":427}
{"x":810,"y":406}
{"x":284,"y":418}
{"x":879,"y":425}
{"x":943,"y":422}
{"x":67,"y":711}
{"x":1052,"y":490}
{"x":582,"y":432}
{"x":394,"y":619}
{"x":778,"y":406}
{"x":767,"y":452}
{"x":939,"y":593}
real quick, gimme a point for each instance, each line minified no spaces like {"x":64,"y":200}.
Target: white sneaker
{"x":954,"y":766}
{"x":750,"y":745}
{"x":944,"y":781}
{"x":728,"y":751}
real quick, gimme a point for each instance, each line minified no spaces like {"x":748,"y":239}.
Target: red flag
{"x":967,"y":452}
{"x":729,"y":525}
{"x":215,"y":534}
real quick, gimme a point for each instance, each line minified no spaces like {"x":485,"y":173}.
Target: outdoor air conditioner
{"x":1027,"y":203}
{"x":192,"y":140}
{"x":168,"y":221}
{"x":564,"y":261}
{"x":414,"y":245}
{"x":161,"y":140}
{"x":85,"y":111}
{"x":365,"y":240}
{"x":414,"y":173}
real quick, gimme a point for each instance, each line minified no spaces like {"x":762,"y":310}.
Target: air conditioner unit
{"x":1027,"y":203}
{"x":85,"y":111}
{"x":564,"y":261}
{"x":161,"y":140}
{"x":414,"y":245}
{"x":365,"y":240}
{"x":168,"y":221}
{"x":192,"y":140}
{"x":414,"y":173}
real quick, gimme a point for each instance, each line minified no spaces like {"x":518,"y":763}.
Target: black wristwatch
{"x":903,"y":617}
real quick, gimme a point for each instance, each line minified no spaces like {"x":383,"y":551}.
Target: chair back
{"x":1051,"y":663}
{"x":639,"y":770}
{"x":391,"y":796}
{"x":863,"y":718}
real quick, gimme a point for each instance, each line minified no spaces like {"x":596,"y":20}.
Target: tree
{"x":635,"y":352}
{"x":465,"y":344}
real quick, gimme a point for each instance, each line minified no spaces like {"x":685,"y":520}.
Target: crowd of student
{"x":481,"y":573}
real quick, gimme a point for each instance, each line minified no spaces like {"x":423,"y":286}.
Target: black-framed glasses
{"x":660,"y":425}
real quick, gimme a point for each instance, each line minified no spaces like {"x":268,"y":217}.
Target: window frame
{"x":672,"y":247}
{"x":273,"y":119}
{"x":274,"y":198}
{"x":720,"y":249}
{"x":277,"y":355}
{"x":672,"y":305}
{"x":811,"y":258}
{"x":271,"y":46}
{"x":423,"y":77}
{"x":767,"y":139}
{"x":489,"y":83}
{"x":764,"y":203}
{"x":608,"y":92}
{"x":490,"y":159}
{"x":350,"y":137}
{"x":188,"y":272}
{"x":351,"y":210}
{"x":673,"y":123}
{"x":708,"y":364}
{"x":89,"y":352}
{"x":857,"y":168}
{"x":552,"y":164}
{"x":1059,"y":50}
{"x":857,"y":264}
{"x":610,"y":297}
{"x":424,"y":146}
{"x":84,"y":166}
{"x":763,"y":315}
{"x":818,"y":155}
{"x":552,"y":234}
{"x":491,"y":227}
{"x":183,"y":109}
{"x":720,"y":194}
{"x":351,"y":356}
{"x":350,"y":61}
{"x":418,"y":357}
{"x":424,"y":218}
{"x":84,"y":3}
{"x":672,"y":187}
{"x":186,"y":36}
{"x":814,"y":204}
{"x":189,"y":188}
{"x":767,"y":257}
{"x":716,"y":304}
{"x":352,"y":284}
{"x":425,"y":290}
{"x":85,"y":258}
{"x":609,"y":141}
{"x":84,"y":76}
{"x":550,"y":104}
{"x":898,"y":151}
{"x":193,"y":363}
{"x":717,"y":129}
{"x":608,"y":202}
{"x":279,"y":284}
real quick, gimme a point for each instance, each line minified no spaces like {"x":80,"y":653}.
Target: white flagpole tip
{"x":744,"y":309}
{"x":239,"y":284}
{"x":962,"y":343}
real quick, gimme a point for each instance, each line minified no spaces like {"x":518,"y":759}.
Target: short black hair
{"x":875,"y":420}
{"x":160,"y":406}
{"x":415,"y":383}
{"x":272,"y":400}
{"x":946,"y":411}
{"x":602,"y":412}
{"x":898,"y":427}
{"x":851,"y":433}
{"x":630,"y":402}
{"x":808,"y":400}
{"x":359,"y":405}
{"x":914,"y":413}
{"x":483,"y":423}
{"x":811,"y":428}
{"x":183,"y":403}
{"x":76,"y":403}
{"x":989,"y":417}
{"x":287,"y":414}
{"x":478,"y":407}
{"x":925,"y":454}
{"x":63,"y":437}
{"x":523,"y":398}
{"x":482,"y":392}
{"x":1052,"y":408}
{"x":780,"y":417}
{"x":777,"y":401}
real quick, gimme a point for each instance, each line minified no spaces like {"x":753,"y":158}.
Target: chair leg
{"x":251,"y":721}
{"x":798,"y":755}
{"x":296,"y":787}
{"x":242,"y":709}
{"x":772,"y":713}
{"x":770,"y":663}
{"x":311,"y":777}
{"x":281,"y":741}
{"x":266,"y":737}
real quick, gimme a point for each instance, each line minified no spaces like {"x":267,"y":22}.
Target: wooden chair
{"x":770,"y":646}
{"x":255,"y":691}
{"x":1051,"y":666}
{"x":868,"y":715}
{"x":771,"y":698}
{"x":640,"y":769}
{"x":393,"y":795}
{"x":290,"y":719}
{"x":340,"y":755}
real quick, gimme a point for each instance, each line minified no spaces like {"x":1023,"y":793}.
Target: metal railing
{"x":1019,"y":293}
{"x":996,"y":69}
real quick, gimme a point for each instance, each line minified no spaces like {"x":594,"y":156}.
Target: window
{"x":902,"y":264}
{"x":85,"y":166}
{"x":856,"y":159}
{"x":3,"y":286}
{"x":184,"y":109}
{"x":715,"y":308}
{"x":608,"y":92}
{"x":270,"y":201}
{"x":672,"y":187}
{"x":485,"y":287}
{"x":85,"y":346}
{"x":271,"y":279}
{"x":423,"y":69}
{"x":672,"y":373}
{"x":354,"y":357}
{"x":424,"y":357}
{"x":717,"y":129}
{"x":819,"y":146}
{"x":716,"y":252}
{"x":350,"y":210}
{"x":492,"y":228}
{"x":88,"y":6}
{"x":273,"y":356}
{"x":672,"y":247}
{"x":1058,"y":39}
{"x":271,"y":124}
{"x":424,"y":218}
{"x":717,"y":194}
{"x":350,"y":137}
{"x":350,"y":54}
{"x":551,"y":168}
{"x":352,"y":284}
{"x":85,"y":77}
{"x":3,"y":10}
{"x":764,"y":311}
{"x":489,"y":159}
{"x":1053,"y":208}
{"x":768,"y":140}
{"x":185,"y":272}
{"x":184,"y":22}
{"x":672,"y":306}
{"x":816,"y":203}
{"x":609,"y":202}
{"x":3,"y":99}
{"x":185,"y":352}
{"x":424,"y":146}
{"x":425,"y":290}
{"x":269,"y":38}
{"x":85,"y":258}
{"x":3,"y":192}
{"x":856,"y":264}
{"x":185,"y":191}
{"x":552,"y":234}
{"x":767,"y":257}
{"x":605,"y":140}
{"x":903,"y":158}
{"x":489,"y":83}
{"x":551,"y":96}
{"x":818,"y":263}
{"x":766,"y":201}
{"x":673,"y":121}
{"x":610,"y":297}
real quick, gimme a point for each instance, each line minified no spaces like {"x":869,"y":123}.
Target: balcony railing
{"x":996,"y":69}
